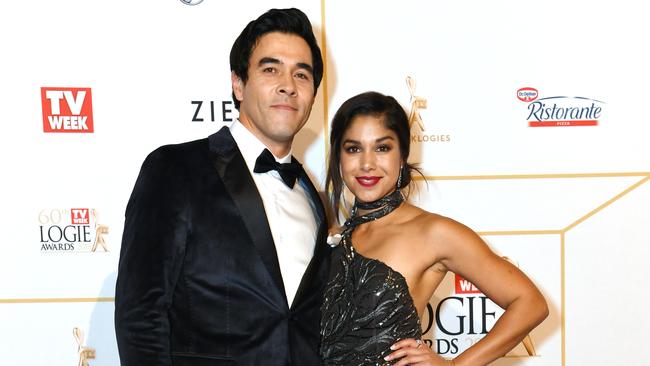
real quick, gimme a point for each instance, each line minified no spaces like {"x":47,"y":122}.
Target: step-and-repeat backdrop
{"x":529,"y":121}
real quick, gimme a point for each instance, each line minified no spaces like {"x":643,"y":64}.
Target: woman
{"x":392,"y":255}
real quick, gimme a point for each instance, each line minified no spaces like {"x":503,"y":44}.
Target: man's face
{"x":278,"y":96}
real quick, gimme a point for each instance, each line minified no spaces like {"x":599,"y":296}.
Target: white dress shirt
{"x":290,"y":212}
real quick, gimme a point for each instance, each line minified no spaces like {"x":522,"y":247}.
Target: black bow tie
{"x":288,"y":171}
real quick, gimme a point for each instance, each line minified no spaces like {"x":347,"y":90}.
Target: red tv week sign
{"x":79,"y":216}
{"x":463,"y":286}
{"x":67,"y":110}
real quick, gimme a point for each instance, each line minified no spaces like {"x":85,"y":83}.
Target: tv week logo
{"x":79,"y":216}
{"x":463,"y":286}
{"x":67,"y":110}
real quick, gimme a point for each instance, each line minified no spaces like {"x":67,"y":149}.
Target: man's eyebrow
{"x":268,"y":60}
{"x":305,"y":66}
{"x":273,"y":60}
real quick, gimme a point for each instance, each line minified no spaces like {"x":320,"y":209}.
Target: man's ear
{"x":237,"y":86}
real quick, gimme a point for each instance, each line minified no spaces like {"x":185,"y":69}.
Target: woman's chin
{"x":371,"y":194}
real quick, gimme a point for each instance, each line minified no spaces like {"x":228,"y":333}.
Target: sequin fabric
{"x":367,"y":307}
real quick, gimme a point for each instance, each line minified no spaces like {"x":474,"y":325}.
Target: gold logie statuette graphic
{"x":527,"y":342}
{"x":417,"y":103}
{"x":85,"y":353}
{"x":100,"y":230}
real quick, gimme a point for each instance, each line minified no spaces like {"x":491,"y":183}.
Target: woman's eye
{"x":352,"y":149}
{"x":383,"y":148}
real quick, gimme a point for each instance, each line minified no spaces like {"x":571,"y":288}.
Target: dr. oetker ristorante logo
{"x":560,"y":111}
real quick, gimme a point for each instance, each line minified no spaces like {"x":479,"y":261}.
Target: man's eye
{"x":302,"y":75}
{"x":269,"y":69}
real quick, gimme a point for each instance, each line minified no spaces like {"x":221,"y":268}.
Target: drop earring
{"x":399,"y":177}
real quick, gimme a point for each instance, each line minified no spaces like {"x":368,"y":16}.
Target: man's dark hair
{"x":291,"y":21}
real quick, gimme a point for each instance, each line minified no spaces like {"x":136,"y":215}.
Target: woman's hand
{"x":414,"y":352}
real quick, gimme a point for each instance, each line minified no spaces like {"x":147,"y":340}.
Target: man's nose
{"x":287,"y":85}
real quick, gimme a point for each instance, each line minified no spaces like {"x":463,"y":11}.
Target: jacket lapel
{"x":232,"y":169}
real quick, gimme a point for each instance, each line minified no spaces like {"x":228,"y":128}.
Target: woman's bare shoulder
{"x":433,"y":224}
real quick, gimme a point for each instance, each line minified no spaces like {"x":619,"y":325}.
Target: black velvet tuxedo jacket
{"x":199,"y":281}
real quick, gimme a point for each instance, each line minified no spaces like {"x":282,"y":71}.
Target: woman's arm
{"x":464,"y":252}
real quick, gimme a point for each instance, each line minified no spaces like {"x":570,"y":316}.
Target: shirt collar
{"x":249,"y":146}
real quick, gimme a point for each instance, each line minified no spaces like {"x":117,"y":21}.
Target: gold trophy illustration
{"x":527,"y":342}
{"x":417,"y":103}
{"x":100,"y":230}
{"x":85,"y":353}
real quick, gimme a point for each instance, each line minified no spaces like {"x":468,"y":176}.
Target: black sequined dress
{"x":367,"y":307}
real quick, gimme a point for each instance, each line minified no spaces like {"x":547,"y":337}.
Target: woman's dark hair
{"x":366,"y":104}
{"x":291,"y":21}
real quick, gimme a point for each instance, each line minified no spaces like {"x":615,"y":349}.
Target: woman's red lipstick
{"x":368,"y":181}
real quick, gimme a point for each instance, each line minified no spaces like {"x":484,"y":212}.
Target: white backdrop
{"x":568,"y":204}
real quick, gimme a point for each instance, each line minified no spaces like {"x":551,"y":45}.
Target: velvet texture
{"x":199,"y":281}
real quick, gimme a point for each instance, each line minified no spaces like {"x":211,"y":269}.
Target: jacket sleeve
{"x":153,"y":246}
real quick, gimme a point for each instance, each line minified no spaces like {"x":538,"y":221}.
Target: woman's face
{"x":370,"y":158}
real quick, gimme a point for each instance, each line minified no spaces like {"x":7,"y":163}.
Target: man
{"x":222,"y":261}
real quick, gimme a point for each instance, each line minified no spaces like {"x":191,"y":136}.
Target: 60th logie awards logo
{"x":71,"y":230}
{"x":463,"y":318}
{"x":415,"y":118}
